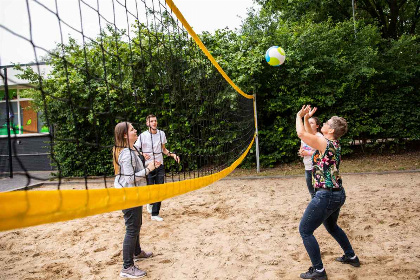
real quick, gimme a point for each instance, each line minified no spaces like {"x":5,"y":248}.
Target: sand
{"x":233,"y":229}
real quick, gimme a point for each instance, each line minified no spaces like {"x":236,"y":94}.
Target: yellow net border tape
{"x":29,"y":208}
{"x":197,"y":40}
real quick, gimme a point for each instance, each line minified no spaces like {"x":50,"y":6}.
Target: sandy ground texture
{"x":233,"y":229}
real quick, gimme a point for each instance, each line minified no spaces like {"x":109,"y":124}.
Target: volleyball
{"x":275,"y":56}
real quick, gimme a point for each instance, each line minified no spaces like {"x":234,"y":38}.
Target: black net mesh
{"x":133,"y":60}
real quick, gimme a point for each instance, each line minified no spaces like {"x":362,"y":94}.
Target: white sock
{"x":353,"y":257}
{"x":320,"y":270}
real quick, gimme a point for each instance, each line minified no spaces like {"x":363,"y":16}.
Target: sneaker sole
{"x":125,"y":275}
{"x":318,"y":278}
{"x":352,"y":264}
{"x":138,"y":258}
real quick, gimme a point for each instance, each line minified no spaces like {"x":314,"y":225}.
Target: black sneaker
{"x":312,"y":273}
{"x":346,"y":259}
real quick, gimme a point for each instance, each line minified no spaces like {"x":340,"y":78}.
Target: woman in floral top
{"x":324,"y":207}
{"x":325,"y":168}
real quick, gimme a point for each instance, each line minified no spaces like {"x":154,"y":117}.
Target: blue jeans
{"x":308,"y":178}
{"x":131,"y":245}
{"x":324,"y":208}
{"x":157,"y":176}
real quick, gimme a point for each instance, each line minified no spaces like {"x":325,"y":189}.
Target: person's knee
{"x":133,"y":231}
{"x":304,"y":232}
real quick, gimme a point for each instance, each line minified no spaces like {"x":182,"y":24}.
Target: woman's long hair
{"x":120,"y":143}
{"x":318,"y":123}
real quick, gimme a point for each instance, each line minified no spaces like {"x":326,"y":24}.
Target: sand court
{"x":233,"y":229}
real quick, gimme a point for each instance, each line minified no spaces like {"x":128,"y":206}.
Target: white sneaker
{"x":132,"y":272}
{"x":157,"y":218}
{"x":149,"y":208}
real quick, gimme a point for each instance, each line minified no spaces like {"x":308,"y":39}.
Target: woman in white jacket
{"x":129,"y":169}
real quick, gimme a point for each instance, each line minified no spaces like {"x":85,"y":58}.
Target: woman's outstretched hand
{"x":305,"y":110}
{"x":311,"y":111}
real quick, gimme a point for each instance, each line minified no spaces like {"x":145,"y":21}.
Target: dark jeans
{"x":324,"y":208}
{"x":131,"y":245}
{"x":157,"y":176}
{"x":308,"y":177}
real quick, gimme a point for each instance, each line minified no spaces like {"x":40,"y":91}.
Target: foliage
{"x":369,"y":77}
{"x":370,"y":81}
{"x":393,"y":17}
{"x":111,"y":79}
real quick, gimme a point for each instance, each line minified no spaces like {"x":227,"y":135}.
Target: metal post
{"x":257,"y":147}
{"x":354,"y":18}
{"x":9,"y":139}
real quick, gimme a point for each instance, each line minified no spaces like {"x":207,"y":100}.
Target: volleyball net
{"x":116,"y":61}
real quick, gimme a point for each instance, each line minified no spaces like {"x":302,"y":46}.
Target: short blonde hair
{"x":339,"y":125}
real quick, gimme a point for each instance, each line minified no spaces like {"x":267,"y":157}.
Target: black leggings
{"x":131,"y":245}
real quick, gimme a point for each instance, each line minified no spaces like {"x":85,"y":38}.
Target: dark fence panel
{"x":32,"y":151}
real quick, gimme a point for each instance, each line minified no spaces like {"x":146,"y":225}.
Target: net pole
{"x":354,"y":18}
{"x":9,"y":139}
{"x":257,"y":147}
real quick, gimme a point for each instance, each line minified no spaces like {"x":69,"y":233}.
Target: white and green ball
{"x":275,"y":56}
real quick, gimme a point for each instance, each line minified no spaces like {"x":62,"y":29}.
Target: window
{"x":24,"y":120}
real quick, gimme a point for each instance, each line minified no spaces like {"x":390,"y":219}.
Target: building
{"x":29,"y":136}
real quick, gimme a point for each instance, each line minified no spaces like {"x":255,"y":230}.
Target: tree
{"x":370,"y":81}
{"x":393,"y":17}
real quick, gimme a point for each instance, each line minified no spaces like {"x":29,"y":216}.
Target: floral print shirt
{"x":325,"y":167}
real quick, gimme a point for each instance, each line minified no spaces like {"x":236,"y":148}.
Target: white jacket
{"x":132,"y":169}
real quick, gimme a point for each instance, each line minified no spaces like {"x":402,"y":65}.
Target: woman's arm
{"x":307,"y":153}
{"x":318,"y":143}
{"x":127,"y":163}
{"x":307,"y":126}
